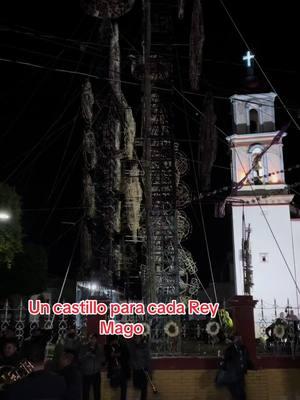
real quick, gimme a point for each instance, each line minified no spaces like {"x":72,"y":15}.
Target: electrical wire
{"x":95,"y":46}
{"x":268,"y":224}
{"x":71,"y":164}
{"x":126,"y":82}
{"x":43,"y":139}
{"x":67,"y":272}
{"x":178,"y":91}
{"x":70,"y":136}
{"x":257,"y":198}
{"x":56,"y":179}
{"x":35,"y":91}
{"x":198,"y":191}
{"x":66,"y":232}
{"x":259,"y":65}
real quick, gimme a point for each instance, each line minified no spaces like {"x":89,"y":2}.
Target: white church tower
{"x":264,"y":236}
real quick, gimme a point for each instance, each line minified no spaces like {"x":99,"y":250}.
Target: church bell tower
{"x":263,"y":239}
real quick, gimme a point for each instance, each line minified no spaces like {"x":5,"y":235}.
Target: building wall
{"x":271,"y":277}
{"x":295,"y":224}
{"x":267,"y":384}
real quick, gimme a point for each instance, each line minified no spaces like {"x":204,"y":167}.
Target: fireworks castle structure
{"x":133,"y":189}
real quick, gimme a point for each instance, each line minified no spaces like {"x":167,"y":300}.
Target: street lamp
{"x":4,"y":216}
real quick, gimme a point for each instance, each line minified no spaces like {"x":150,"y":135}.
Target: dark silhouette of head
{"x":35,"y":353}
{"x":68,"y":357}
{"x":10,"y":347}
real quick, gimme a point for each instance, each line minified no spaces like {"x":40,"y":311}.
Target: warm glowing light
{"x":240,"y":175}
{"x":4,"y":216}
{"x":274,"y":178}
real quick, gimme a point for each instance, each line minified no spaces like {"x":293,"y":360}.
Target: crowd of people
{"x":73,"y":369}
{"x":283,"y":332}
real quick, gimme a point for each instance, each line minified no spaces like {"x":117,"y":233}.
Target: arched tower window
{"x":254,"y":121}
{"x":258,"y":163}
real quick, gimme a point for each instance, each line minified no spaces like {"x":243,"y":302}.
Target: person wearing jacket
{"x":117,"y":361}
{"x":40,"y":384}
{"x":237,"y":362}
{"x":91,"y":360}
{"x":69,"y":370}
{"x":9,"y":353}
{"x":140,"y":362}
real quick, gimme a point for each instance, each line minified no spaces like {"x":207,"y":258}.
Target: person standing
{"x":118,"y":368}
{"x":39,"y":384}
{"x":70,"y":371}
{"x":72,"y":341}
{"x":140,"y":362}
{"x":293,"y":331}
{"x":91,"y":359}
{"x":9,"y":356}
{"x":236,"y":363}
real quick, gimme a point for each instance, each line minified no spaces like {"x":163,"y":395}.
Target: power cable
{"x":43,"y":139}
{"x":252,"y":189}
{"x":95,"y":46}
{"x":130,"y":83}
{"x":198,"y":191}
{"x":66,"y":232}
{"x":33,"y":92}
{"x":259,"y":65}
{"x":62,"y":159}
{"x":67,"y":273}
{"x":71,"y":164}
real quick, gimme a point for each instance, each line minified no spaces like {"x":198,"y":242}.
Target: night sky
{"x":40,"y":134}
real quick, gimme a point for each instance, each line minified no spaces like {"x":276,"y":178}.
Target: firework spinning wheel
{"x":183,"y":195}
{"x":184,"y":226}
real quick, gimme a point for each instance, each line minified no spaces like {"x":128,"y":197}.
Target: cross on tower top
{"x":248,"y":58}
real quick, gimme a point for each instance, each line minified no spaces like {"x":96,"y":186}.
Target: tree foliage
{"x":28,"y":273}
{"x":23,"y":268}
